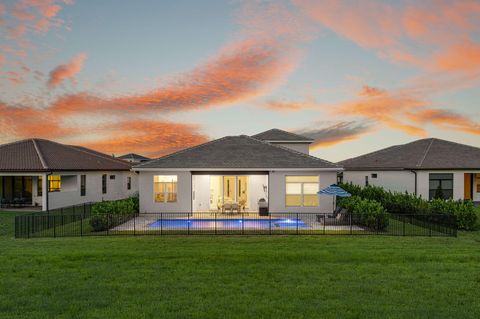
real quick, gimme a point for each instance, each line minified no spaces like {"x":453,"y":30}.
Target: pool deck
{"x":143,"y":221}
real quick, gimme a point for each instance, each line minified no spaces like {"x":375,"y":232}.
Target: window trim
{"x":104,"y":184}
{"x":430,"y":197}
{"x":166,"y":193}
{"x":129,"y":182}
{"x":83,"y":185}
{"x":302,"y":190}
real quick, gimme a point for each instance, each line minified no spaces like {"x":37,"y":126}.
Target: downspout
{"x":415,"y":173}
{"x":46,"y":188}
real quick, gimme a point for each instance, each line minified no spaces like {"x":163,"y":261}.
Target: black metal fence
{"x":80,"y":222}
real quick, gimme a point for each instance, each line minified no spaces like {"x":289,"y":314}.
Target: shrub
{"x":369,"y":213}
{"x":409,"y":204}
{"x":106,"y":215}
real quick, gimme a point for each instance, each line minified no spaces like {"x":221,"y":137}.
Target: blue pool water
{"x":277,"y":223}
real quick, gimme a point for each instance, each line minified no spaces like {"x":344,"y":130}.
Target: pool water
{"x":282,"y":223}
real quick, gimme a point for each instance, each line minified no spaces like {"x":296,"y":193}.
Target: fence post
{"x":297,"y":223}
{"x":403,"y":218}
{"x":54,"y":227}
{"x":351,"y":224}
{"x":215,"y":214}
{"x":243,"y":224}
{"x":81,"y":225}
{"x":134,"y":224}
{"x":270,"y":224}
{"x":188,"y":224}
{"x":430,"y":227}
{"x":108,"y":223}
{"x":324,"y":224}
{"x":84,"y":207}
{"x":161,"y":224}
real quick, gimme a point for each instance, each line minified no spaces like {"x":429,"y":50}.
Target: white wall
{"x":70,"y":190}
{"x":184,"y":199}
{"x":277,"y":192}
{"x":458,"y":184}
{"x":299,"y":147}
{"x":396,"y":181}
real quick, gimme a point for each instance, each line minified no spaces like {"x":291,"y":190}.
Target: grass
{"x":239,"y":277}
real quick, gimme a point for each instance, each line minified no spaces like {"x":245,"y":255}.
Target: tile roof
{"x":133,"y":157}
{"x":238,"y":152}
{"x":39,"y":155}
{"x":430,"y":153}
{"x":280,"y":135}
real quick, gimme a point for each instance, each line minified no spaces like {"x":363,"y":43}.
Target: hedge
{"x":106,"y":215}
{"x":409,"y":204}
{"x":369,"y":213}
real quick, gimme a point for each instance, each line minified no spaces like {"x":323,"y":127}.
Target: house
{"x":134,"y":158}
{"x":49,"y":175}
{"x":244,"y":173}
{"x":420,"y":167}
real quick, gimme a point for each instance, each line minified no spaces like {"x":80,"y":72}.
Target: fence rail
{"x":81,"y":222}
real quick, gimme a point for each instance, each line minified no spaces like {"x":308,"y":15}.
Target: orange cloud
{"x":462,"y":56}
{"x":446,"y":119}
{"x":147,"y":137}
{"x":288,"y":106}
{"x":336,"y":133}
{"x":66,"y":71}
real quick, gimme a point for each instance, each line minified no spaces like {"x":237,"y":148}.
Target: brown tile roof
{"x":38,"y":155}
{"x":279,"y":135}
{"x":428,"y":153}
{"x":238,"y":152}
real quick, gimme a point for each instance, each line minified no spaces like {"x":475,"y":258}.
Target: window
{"x":104,"y":183}
{"x":165,"y":188}
{"x":374,"y":175}
{"x":129,"y":183}
{"x":340,"y":178}
{"x":54,"y":183}
{"x":39,"y":186}
{"x":478,"y":182}
{"x":301,"y":191}
{"x":366,"y":181}
{"x":112,"y":176}
{"x":441,"y":185}
{"x":83,"y":185}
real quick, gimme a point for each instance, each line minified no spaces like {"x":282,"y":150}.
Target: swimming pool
{"x":278,"y":223}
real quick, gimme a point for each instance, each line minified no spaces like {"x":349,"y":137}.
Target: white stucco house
{"x":48,"y":175}
{"x":420,"y":167}
{"x":272,"y":169}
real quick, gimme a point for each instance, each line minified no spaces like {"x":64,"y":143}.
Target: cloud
{"x":66,"y":71}
{"x":150,"y":138}
{"x":336,"y":133}
{"x":446,"y":119}
{"x":288,"y":106}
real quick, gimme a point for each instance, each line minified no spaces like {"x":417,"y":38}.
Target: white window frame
{"x":302,"y":188}
{"x":165,"y":192}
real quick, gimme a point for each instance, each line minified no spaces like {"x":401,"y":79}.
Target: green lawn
{"x":239,"y":277}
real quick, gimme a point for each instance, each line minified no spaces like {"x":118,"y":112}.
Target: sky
{"x":153,"y":77}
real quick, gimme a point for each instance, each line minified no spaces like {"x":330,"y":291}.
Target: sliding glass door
{"x":228,"y":190}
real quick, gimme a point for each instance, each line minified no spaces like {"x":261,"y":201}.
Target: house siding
{"x":395,"y":181}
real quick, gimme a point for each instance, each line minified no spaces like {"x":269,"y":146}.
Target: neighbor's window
{"x":112,"y":176}
{"x":104,"y":183}
{"x":54,"y":183}
{"x":165,"y":188}
{"x":83,"y":185}
{"x":39,"y":186}
{"x":374,"y":175}
{"x":441,"y":185}
{"x":301,"y":191}
{"x":129,"y":183}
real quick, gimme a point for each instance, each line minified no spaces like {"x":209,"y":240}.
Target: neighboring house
{"x":238,"y":171}
{"x":134,"y":158}
{"x":420,"y":168}
{"x":37,"y":172}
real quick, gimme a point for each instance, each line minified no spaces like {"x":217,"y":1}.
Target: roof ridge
{"x":299,"y":136}
{"x":39,"y":154}
{"x":104,"y":156}
{"x":293,"y":151}
{"x":181,"y":151}
{"x":427,"y":149}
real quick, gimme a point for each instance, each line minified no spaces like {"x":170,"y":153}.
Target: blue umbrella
{"x":334,"y":190}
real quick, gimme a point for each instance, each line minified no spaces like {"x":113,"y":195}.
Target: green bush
{"x":369,"y":213}
{"x":106,"y":215}
{"x":409,"y":204}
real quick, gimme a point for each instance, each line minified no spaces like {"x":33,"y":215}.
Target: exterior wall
{"x":277,"y":192}
{"x":70,"y":189}
{"x":458,"y":184}
{"x":299,"y":147}
{"x":184,"y":195}
{"x":395,"y":181}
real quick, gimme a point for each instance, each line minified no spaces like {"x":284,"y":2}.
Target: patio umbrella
{"x":334,"y":190}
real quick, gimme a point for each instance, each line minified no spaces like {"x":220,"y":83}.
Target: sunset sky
{"x":152,"y":77}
